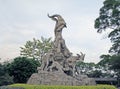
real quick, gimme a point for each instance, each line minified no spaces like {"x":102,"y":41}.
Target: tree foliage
{"x":98,"y":70}
{"x":36,"y":48}
{"x":90,"y":69}
{"x":22,"y":68}
{"x":5,"y":78}
{"x":105,"y":60}
{"x":115,"y":64}
{"x":111,"y":63}
{"x":85,"y":68}
{"x":110,"y":19}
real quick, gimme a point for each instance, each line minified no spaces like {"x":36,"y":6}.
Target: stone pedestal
{"x":58,"y":78}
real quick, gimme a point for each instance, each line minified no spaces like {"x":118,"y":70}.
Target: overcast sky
{"x":23,"y":20}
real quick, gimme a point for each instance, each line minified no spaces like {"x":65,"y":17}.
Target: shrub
{"x":26,"y":86}
{"x":8,"y":87}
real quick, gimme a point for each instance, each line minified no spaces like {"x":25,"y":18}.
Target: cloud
{"x":22,"y":20}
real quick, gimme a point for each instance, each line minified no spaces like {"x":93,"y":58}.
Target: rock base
{"x":57,"y":78}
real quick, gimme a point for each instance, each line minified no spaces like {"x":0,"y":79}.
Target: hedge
{"x":9,"y":87}
{"x":26,"y":86}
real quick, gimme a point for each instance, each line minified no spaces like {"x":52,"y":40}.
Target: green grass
{"x":26,"y":86}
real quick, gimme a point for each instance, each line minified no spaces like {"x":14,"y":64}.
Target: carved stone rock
{"x":58,"y":78}
{"x":59,"y":65}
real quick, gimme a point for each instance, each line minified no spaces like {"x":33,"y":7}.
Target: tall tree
{"x":110,"y":19}
{"x":36,"y":48}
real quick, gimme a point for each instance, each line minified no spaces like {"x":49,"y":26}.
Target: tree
{"x":36,"y":48}
{"x":111,"y":66}
{"x":115,"y":64}
{"x":95,"y":74}
{"x":85,"y":68}
{"x":22,"y":68}
{"x":105,"y":65}
{"x":110,"y":19}
{"x":106,"y":59}
{"x":95,"y":70}
{"x":5,"y":78}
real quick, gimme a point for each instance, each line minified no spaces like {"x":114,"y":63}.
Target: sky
{"x":23,"y":20}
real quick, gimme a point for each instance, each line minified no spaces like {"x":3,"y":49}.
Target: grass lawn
{"x":27,"y":86}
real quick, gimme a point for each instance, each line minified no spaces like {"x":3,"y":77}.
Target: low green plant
{"x":27,"y":86}
{"x":9,"y":87}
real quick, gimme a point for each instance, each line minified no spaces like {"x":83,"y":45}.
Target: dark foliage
{"x":110,"y":19}
{"x":22,"y":68}
{"x":5,"y":78}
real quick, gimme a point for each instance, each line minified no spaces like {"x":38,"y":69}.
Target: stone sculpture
{"x":59,"y":42}
{"x":59,"y":65}
{"x":71,"y":63}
